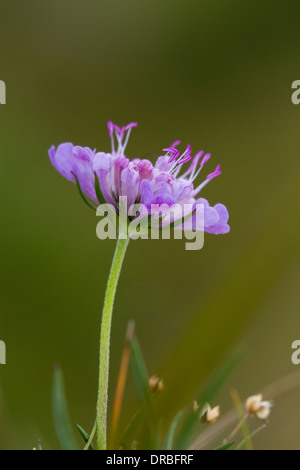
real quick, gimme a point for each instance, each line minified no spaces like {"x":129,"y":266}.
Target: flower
{"x":257,"y":407}
{"x":210,"y":415}
{"x":105,"y":177}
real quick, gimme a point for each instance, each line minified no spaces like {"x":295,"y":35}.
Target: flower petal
{"x":223,"y":213}
{"x":83,"y":169}
{"x":211,"y":216}
{"x":146,"y":192}
{"x":221,"y":227}
{"x":62,"y":159}
{"x":101,"y":165}
{"x":130,"y":184}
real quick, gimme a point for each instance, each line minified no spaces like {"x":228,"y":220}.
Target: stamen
{"x":119,"y":134}
{"x":187,"y":153}
{"x":110,"y":128}
{"x":170,"y":150}
{"x":193,"y":165}
{"x":188,"y":150}
{"x":173,"y":151}
{"x":127,"y":136}
{"x":130,"y":126}
{"x":186,"y":156}
{"x":111,"y":135}
{"x":177,"y":142}
{"x":120,"y":131}
{"x":186,"y":159}
{"x":205,"y":159}
{"x":174,"y":157}
{"x":209,"y":177}
{"x":119,"y":139}
{"x":195,"y":162}
{"x":215,"y":173}
{"x":128,"y":129}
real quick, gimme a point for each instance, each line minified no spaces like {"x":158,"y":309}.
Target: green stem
{"x":105,"y":342}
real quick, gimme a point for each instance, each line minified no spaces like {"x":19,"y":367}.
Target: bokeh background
{"x":213,"y":73}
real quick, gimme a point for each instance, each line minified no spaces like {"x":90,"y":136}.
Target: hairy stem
{"x":105,"y":342}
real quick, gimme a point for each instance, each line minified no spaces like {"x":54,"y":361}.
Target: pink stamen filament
{"x":205,"y":159}
{"x":209,"y":177}
{"x":195,"y":173}
{"x":177,"y":142}
{"x":193,"y":165}
{"x":118,"y":132}
{"x":185,"y":157}
{"x":215,"y":173}
{"x":126,"y":139}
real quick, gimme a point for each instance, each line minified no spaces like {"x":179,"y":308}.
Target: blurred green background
{"x":213,"y":73}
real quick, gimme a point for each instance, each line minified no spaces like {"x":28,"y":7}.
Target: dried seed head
{"x":195,"y":406}
{"x":210,"y":415}
{"x":257,"y":407}
{"x":134,"y":445}
{"x":156,"y":384}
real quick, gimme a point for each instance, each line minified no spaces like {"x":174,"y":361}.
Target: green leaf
{"x":239,"y":409}
{"x":157,"y":435}
{"x":148,"y":429}
{"x":168,"y":443}
{"x":141,"y":377}
{"x":243,"y":442}
{"x":62,"y":423}
{"x":98,"y":190}
{"x":133,"y":429}
{"x":207,"y":395}
{"x":226,"y":446}
{"x":222,"y":374}
{"x":85,"y":199}
{"x":84,"y":435}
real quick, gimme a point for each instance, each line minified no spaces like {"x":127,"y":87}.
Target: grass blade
{"x":62,"y":423}
{"x":133,"y":429}
{"x":169,"y":440}
{"x":241,"y":417}
{"x":148,"y":428}
{"x":226,"y":446}
{"x":241,"y":444}
{"x":206,"y":396}
{"x":84,"y":435}
{"x":141,"y":376}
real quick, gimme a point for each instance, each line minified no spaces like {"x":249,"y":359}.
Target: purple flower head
{"x":105,"y":177}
